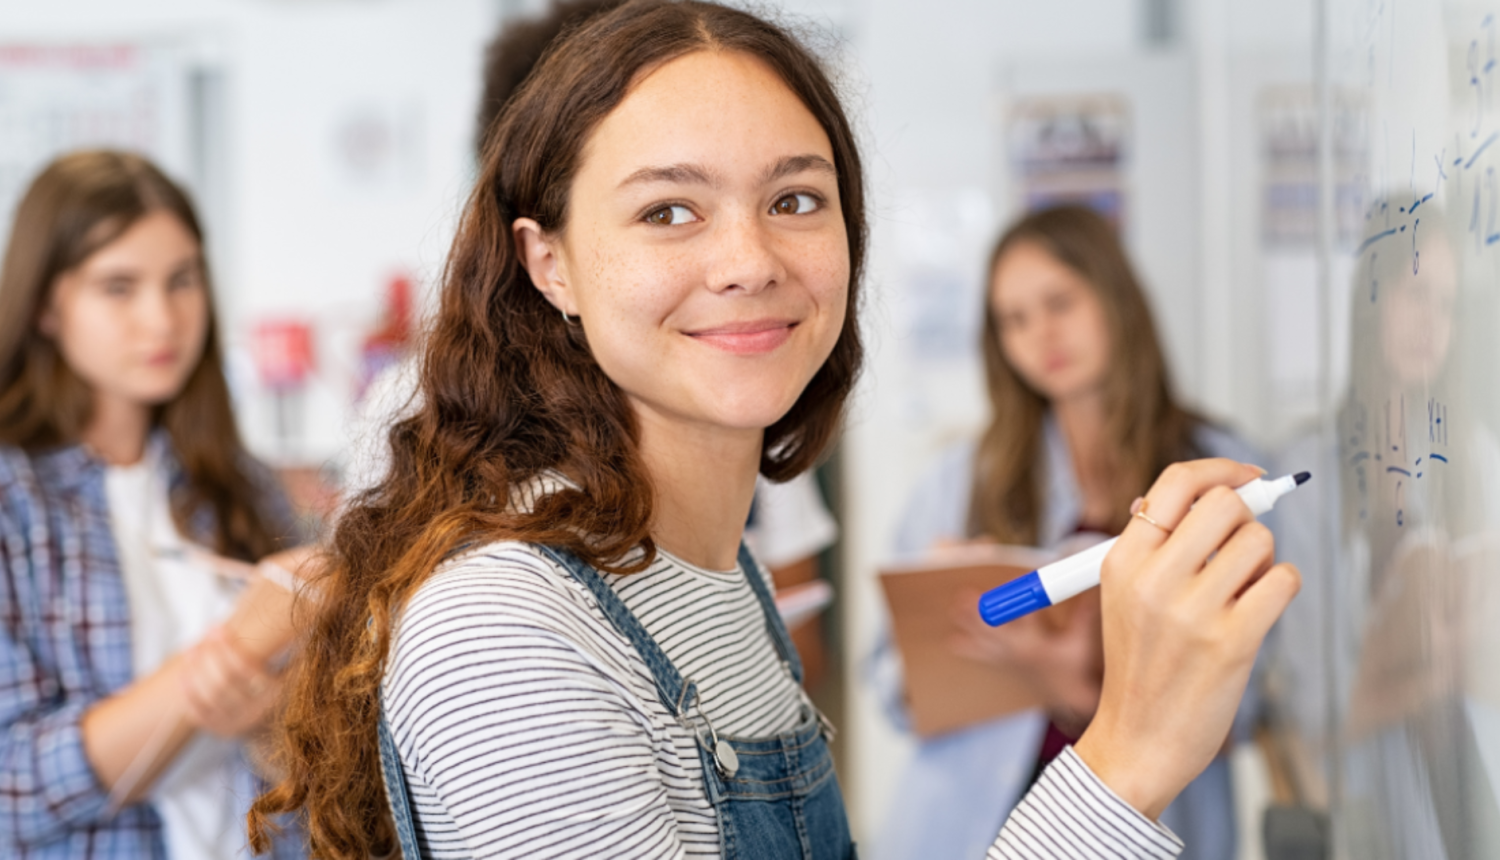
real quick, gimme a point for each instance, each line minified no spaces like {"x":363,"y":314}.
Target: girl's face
{"x":1416,"y":315}
{"x":1052,"y":325}
{"x":132,"y":318}
{"x":705,"y":252}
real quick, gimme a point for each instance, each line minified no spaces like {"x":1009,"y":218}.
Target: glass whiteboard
{"x":1388,"y":670}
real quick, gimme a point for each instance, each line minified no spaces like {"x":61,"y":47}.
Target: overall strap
{"x":678,"y":695}
{"x":774,"y":624}
{"x":396,"y":793}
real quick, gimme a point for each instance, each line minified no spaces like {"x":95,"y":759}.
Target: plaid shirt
{"x":64,"y":645}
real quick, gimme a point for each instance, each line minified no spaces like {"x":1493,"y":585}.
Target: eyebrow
{"x":795,"y":164}
{"x":694,"y":174}
{"x":681,"y":174}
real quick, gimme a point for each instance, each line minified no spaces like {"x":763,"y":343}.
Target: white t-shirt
{"x":173,"y":603}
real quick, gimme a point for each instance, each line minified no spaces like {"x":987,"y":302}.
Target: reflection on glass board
{"x":1406,"y":629}
{"x":1418,"y":478}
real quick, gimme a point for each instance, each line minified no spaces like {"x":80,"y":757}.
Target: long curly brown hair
{"x":79,"y":203}
{"x":508,"y":390}
{"x":1146,"y":426}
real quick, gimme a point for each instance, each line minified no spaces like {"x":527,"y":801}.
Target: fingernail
{"x":1138,"y":505}
{"x":1262,"y":472}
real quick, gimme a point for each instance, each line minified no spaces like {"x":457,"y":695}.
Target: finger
{"x":1203,"y":532}
{"x":239,"y":667}
{"x":1264,"y":601}
{"x":200,"y":700}
{"x":1168,"y":501}
{"x":221,"y":681}
{"x":1243,"y":559}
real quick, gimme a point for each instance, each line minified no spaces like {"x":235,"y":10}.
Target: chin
{"x":158,"y":394}
{"x":752,"y":413}
{"x":1060,"y":390}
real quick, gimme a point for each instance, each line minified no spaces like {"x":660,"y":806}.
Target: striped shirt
{"x":529,"y":727}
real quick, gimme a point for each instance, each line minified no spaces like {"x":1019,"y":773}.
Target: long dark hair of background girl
{"x":79,"y":204}
{"x":509,"y":390}
{"x":1146,"y":429}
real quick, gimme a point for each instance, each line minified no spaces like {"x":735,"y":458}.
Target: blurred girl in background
{"x":1084,"y":421}
{"x":125,"y":497}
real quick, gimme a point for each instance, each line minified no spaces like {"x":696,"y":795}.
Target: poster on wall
{"x":60,"y":97}
{"x":1287,"y":117}
{"x":1072,"y":149}
{"x":1287,"y":131}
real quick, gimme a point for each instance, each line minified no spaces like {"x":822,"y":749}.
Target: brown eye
{"x":667,"y":216}
{"x":795,"y":204}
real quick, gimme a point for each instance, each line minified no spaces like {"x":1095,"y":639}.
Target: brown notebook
{"x":945,"y":691}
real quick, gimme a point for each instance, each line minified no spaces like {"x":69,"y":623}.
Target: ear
{"x":540,"y":255}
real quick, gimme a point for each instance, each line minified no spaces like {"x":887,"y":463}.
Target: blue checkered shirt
{"x":64,"y":645}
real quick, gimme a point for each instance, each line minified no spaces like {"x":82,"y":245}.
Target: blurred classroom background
{"x":329,"y":146}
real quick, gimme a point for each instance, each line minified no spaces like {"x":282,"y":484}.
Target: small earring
{"x":567,"y":319}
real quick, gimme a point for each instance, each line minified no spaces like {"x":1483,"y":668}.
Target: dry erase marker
{"x":1052,"y":584}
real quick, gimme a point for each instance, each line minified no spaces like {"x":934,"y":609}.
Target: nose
{"x":1049,"y":327}
{"x":748,"y":260}
{"x":155,"y":312}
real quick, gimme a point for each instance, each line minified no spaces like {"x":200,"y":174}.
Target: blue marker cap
{"x":1010,"y":601}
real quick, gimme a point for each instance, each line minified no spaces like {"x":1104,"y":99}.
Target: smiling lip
{"x":164,"y":358}
{"x":747,"y":338}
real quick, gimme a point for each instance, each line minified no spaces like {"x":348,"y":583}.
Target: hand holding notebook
{"x":959,"y":672}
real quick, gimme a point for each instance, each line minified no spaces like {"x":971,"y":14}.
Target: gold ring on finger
{"x":1138,"y":510}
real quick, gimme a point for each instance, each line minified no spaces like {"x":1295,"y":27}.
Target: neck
{"x":1081,"y":419}
{"x":117,"y":430}
{"x":1082,"y":422}
{"x":704,"y":479}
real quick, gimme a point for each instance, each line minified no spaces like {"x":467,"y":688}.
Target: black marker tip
{"x":1302,"y":478}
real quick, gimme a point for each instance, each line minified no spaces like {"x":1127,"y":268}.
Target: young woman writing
{"x":124,"y":497}
{"x":1083,"y":420}
{"x":540,"y":632}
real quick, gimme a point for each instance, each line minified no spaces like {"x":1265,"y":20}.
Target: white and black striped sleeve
{"x":1070,"y":814}
{"x":531,"y":747}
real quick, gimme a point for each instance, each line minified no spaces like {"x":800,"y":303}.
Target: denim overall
{"x":776,"y":798}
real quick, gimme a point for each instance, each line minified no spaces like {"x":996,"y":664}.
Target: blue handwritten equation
{"x":1381,"y":453}
{"x":1395,"y":216}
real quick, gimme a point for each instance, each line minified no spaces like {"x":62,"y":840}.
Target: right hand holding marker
{"x":1184,"y":615}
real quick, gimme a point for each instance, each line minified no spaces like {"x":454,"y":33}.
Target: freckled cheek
{"x":823,"y":268}
{"x":632,"y":287}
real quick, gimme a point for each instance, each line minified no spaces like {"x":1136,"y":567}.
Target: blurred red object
{"x":387,"y":345}
{"x":283,"y":351}
{"x":394,"y":331}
